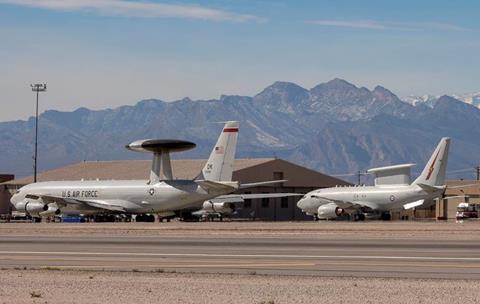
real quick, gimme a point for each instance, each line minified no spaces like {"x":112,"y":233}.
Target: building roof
{"x":245,"y":170}
{"x":296,"y":176}
{"x":6,"y":177}
{"x":463,"y":187}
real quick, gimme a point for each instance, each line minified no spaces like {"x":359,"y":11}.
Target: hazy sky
{"x":105,"y":53}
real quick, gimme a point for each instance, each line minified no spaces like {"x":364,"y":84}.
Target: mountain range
{"x":335,"y":127}
{"x":471,"y":98}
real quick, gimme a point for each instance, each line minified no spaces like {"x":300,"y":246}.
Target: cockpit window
{"x":17,"y":192}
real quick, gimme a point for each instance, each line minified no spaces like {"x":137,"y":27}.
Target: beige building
{"x":445,"y":209}
{"x":464,"y":191}
{"x":300,"y":180}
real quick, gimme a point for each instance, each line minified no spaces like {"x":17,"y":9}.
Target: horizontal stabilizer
{"x":430,"y":189}
{"x":250,"y":185}
{"x":212,"y":187}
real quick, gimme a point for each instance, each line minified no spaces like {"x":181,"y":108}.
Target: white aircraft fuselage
{"x":380,"y":198}
{"x":134,"y":196}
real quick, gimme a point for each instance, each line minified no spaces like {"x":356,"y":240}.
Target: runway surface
{"x":260,"y":255}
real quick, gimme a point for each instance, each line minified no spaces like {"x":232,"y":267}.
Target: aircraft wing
{"x":49,"y":199}
{"x":249,"y":185}
{"x":356,"y":205}
{"x":110,"y":205}
{"x":430,"y":189}
{"x":239,"y":198}
{"x":346,"y":205}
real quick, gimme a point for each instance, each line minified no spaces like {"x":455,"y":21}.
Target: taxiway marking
{"x":216,"y":255}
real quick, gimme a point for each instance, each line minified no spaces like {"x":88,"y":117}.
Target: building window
{"x":247,"y":203}
{"x":284,"y":202}
{"x":277,"y":175}
{"x":265,"y":202}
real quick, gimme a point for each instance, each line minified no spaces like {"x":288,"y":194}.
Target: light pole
{"x":38,"y":87}
{"x":359,"y":176}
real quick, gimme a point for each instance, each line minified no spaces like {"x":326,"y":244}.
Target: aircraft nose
{"x":303,"y":203}
{"x":308,"y":203}
{"x":14,"y":199}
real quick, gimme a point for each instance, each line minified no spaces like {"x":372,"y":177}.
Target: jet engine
{"x":223,"y":207}
{"x":329,"y":211}
{"x":31,"y":207}
{"x":52,"y":209}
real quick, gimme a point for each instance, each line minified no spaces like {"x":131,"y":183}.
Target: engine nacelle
{"x":31,"y":207}
{"x":52,"y":209}
{"x":224,"y":208}
{"x":329,"y":211}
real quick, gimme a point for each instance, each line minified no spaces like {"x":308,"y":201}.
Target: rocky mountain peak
{"x":340,"y":83}
{"x":446,"y":98}
{"x":337,"y":90}
{"x":283,"y":88}
{"x":283,"y":97}
{"x":384,"y":94}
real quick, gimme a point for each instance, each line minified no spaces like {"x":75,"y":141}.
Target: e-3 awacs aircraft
{"x":164,"y":196}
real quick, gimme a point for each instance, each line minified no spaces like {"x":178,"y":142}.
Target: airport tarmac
{"x":393,"y":257}
{"x":346,"y":257}
{"x":379,"y":249}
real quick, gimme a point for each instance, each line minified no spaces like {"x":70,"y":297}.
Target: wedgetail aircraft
{"x":392,"y":190}
{"x":161,"y":194}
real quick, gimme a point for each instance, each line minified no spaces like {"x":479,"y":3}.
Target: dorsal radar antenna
{"x":161,"y":149}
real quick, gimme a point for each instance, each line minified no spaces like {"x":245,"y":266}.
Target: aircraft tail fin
{"x":434,"y":172}
{"x":219,"y":166}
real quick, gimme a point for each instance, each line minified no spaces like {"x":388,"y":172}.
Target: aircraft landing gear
{"x":359,"y":217}
{"x":386,"y":216}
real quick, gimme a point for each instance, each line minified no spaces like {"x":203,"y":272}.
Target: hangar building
{"x":300,"y":180}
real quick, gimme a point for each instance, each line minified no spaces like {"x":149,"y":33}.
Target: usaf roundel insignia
{"x":151,"y":191}
{"x":392,"y":198}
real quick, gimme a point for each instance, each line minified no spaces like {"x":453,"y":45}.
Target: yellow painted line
{"x":399,"y":264}
{"x":221,"y":263}
{"x":177,"y":266}
{"x":242,"y":256}
{"x":239,"y":265}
